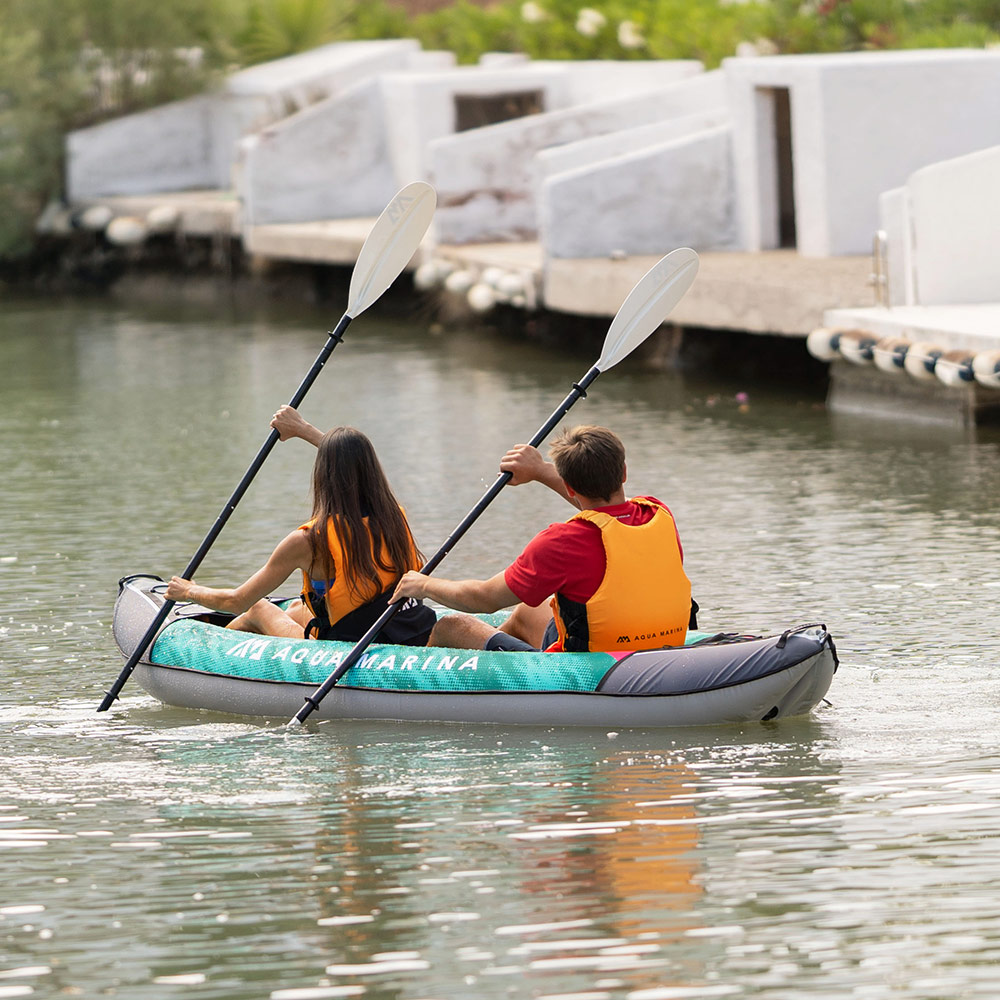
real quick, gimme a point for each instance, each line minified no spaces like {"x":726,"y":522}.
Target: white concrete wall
{"x":307,"y":77}
{"x":596,"y":79}
{"x":346,"y":155}
{"x":648,"y":201}
{"x":193,"y":144}
{"x":169,"y":148}
{"x":486,"y":178}
{"x":595,"y":150}
{"x":329,"y":161}
{"x":421,"y":107}
{"x":861,"y":123}
{"x":894,"y":221}
{"x":956,"y":230}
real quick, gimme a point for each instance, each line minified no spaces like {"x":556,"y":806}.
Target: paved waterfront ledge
{"x":773,"y":292}
{"x":334,"y":242}
{"x":974,"y":327}
{"x":199,"y":213}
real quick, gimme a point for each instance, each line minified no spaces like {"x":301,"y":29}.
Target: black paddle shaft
{"x":192,"y":567}
{"x":313,"y":700}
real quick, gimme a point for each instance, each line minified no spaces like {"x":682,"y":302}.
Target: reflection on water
{"x":152,"y":853}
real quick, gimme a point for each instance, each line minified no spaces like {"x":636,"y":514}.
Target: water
{"x":155,"y":853}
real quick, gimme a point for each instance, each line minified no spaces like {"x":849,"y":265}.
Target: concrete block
{"x":193,"y":144}
{"x":329,"y":161}
{"x":486,"y":178}
{"x":676,"y":193}
{"x":956,"y":222}
{"x":860,"y":124}
{"x":169,"y":148}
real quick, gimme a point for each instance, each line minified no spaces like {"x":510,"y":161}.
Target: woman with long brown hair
{"x":351,"y":553}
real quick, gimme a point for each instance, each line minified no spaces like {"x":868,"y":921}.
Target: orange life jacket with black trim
{"x":644,"y":600}
{"x":340,"y":597}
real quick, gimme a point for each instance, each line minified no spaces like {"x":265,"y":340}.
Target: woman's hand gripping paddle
{"x":647,"y":306}
{"x":388,"y":249}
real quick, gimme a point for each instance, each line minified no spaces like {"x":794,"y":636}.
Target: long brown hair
{"x":349,"y":485}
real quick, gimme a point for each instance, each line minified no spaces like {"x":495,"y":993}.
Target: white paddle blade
{"x":391,"y":244}
{"x":648,"y":304}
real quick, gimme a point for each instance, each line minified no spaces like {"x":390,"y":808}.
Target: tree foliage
{"x":276,"y":28}
{"x":65,"y":64}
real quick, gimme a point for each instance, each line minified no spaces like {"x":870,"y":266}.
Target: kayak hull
{"x":196,"y":664}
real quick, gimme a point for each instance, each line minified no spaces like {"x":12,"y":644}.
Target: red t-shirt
{"x":568,"y":558}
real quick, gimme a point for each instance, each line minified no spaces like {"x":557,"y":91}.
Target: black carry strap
{"x":414,"y":619}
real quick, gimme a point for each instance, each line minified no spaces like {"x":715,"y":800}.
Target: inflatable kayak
{"x":195,"y":662}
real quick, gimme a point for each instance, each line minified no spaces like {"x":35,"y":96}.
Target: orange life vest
{"x":341,"y":598}
{"x":644,"y":600}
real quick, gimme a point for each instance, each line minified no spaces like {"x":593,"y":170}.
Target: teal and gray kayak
{"x":197,"y":663}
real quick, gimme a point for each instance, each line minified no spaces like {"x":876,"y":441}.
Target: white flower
{"x":589,"y":21}
{"x":629,"y":35}
{"x":761,"y":47}
{"x":533,"y":13}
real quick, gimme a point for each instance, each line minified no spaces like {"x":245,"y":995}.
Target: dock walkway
{"x":774,"y":292}
{"x":777,"y":292}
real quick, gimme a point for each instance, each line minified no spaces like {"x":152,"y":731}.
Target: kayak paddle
{"x":647,"y":306}
{"x":389,"y":247}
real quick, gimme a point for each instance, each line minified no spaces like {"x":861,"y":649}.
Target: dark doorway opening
{"x":783,"y":163}
{"x":477,"y":110}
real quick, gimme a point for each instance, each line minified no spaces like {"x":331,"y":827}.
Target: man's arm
{"x":463,"y":595}
{"x":526,"y":465}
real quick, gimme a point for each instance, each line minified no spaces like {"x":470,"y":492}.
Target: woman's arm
{"x":292,"y":553}
{"x":289,"y":423}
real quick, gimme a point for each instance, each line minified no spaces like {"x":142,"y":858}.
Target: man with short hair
{"x":613,"y":573}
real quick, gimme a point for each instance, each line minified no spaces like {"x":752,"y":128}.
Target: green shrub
{"x":276,"y":28}
{"x":69,"y":63}
{"x":65,"y":64}
{"x":373,"y":19}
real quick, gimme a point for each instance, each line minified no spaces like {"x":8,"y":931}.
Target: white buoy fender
{"x":492,"y":275}
{"x":126,"y":231}
{"x":986,"y":368}
{"x":510,"y":286}
{"x":857,"y":346}
{"x":459,"y":282}
{"x":954,"y":368}
{"x":890,"y":353}
{"x":920,"y":360}
{"x":481,"y":297}
{"x":822,"y":343}
{"x":163,"y":218}
{"x":96,"y":218}
{"x":427,"y":276}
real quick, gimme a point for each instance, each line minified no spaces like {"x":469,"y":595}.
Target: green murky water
{"x":153,"y":853}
